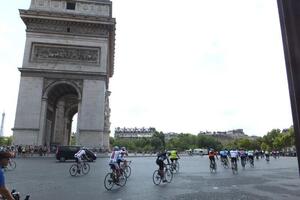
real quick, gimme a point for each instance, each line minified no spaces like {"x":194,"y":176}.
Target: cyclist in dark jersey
{"x":211,"y":155}
{"x":161,"y":157}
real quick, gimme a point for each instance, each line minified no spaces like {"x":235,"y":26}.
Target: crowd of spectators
{"x":26,"y":150}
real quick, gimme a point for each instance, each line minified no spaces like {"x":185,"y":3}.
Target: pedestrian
{"x":4,"y":192}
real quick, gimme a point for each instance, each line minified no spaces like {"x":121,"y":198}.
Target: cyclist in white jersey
{"x":80,"y":155}
{"x":233,"y":155}
{"x":113,"y":161}
{"x":121,"y":156}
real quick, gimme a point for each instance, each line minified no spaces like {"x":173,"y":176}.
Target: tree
{"x":158,"y":141}
{"x":6,"y":141}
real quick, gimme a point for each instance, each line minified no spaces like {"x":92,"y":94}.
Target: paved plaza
{"x":46,"y":179}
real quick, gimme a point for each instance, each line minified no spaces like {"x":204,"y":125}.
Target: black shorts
{"x":112,"y":166}
{"x":212,"y":158}
{"x":160,"y":163}
{"x":173,"y":159}
{"x":233,"y":159}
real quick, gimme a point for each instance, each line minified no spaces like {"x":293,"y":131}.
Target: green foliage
{"x":275,"y":139}
{"x":6,"y":141}
{"x":157,"y":143}
{"x":278,"y":140}
{"x":73,"y":139}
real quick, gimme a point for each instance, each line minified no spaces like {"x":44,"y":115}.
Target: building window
{"x":71,"y":5}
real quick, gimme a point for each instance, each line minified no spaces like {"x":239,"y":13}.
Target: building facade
{"x":134,"y":132}
{"x":68,"y":60}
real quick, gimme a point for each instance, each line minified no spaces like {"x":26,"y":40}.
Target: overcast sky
{"x":180,"y":66}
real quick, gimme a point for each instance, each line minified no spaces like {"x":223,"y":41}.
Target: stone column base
{"x":91,"y":138}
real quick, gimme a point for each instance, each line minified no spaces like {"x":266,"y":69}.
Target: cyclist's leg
{"x":160,"y":167}
{"x":78,"y":162}
{"x":243,"y":161}
{"x":235,"y":163}
{"x":214,"y":161}
{"x":210,"y":160}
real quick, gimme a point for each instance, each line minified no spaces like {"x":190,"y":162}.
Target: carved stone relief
{"x":56,"y":4}
{"x":42,"y":3}
{"x":60,"y":53}
{"x":93,"y":9}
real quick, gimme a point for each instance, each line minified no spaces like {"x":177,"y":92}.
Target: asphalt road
{"x":46,"y":179}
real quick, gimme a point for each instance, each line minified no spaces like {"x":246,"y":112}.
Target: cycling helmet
{"x":123,"y":148}
{"x":116,"y":148}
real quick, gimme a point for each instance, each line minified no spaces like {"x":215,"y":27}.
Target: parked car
{"x":64,"y":153}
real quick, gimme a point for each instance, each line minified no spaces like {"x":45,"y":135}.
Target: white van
{"x":200,"y":152}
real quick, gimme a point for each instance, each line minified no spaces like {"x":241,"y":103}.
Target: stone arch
{"x":49,"y":87}
{"x":62,"y":101}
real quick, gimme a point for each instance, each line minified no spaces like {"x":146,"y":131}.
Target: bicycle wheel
{"x":169,"y":175}
{"x":243,"y":163}
{"x":122,"y":179}
{"x":127,"y":171}
{"x":11,"y":165}
{"x":172,"y":168}
{"x":156,"y":177}
{"x":73,"y":170}
{"x":109,"y":181}
{"x":252,"y":163}
{"x":85,"y":168}
{"x":234,"y":168}
{"x":211,"y":167}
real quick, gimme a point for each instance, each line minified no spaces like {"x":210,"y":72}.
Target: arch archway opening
{"x":62,"y":106}
{"x":74,"y":132}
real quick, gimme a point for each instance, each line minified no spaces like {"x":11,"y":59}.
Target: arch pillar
{"x":43,"y":118}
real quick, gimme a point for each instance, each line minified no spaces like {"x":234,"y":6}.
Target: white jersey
{"x":80,"y":153}
{"x":234,"y":153}
{"x":114,"y":156}
{"x":266,"y":152}
{"x":250,"y":153}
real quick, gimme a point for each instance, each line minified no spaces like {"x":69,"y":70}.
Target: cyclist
{"x":80,"y":155}
{"x":223,"y":155}
{"x":243,"y":156}
{"x":174,"y":156}
{"x":233,"y":156}
{"x":4,"y":159}
{"x":161,"y":157}
{"x":256,"y":153}
{"x":251,"y":156}
{"x":211,"y":156}
{"x":121,"y":156}
{"x":113,"y":161}
{"x":267,"y":154}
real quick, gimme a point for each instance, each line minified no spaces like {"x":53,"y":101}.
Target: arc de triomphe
{"x":68,"y":60}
